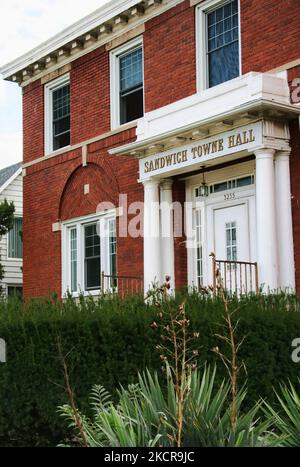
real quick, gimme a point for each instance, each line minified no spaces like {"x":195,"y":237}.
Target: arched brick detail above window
{"x":86,"y":188}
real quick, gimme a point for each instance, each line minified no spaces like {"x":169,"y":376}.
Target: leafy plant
{"x":146,"y":415}
{"x":287,"y":420}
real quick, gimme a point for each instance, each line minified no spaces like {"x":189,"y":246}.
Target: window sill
{"x":202,"y":88}
{"x":57,"y":152}
{"x":91,"y":293}
{"x":125,"y":126}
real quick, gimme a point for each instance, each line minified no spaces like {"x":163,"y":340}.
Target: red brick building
{"x":165,"y":101}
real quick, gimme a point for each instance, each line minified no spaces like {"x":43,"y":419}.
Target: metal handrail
{"x":121,"y":285}
{"x":236,"y":276}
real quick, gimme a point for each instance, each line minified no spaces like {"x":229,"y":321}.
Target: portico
{"x":241,"y":155}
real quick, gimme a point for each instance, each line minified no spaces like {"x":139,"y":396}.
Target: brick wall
{"x":270,"y":33}
{"x":53,"y":189}
{"x":295,"y":187}
{"x":90,"y":102}
{"x":33,"y":121}
{"x":55,"y":192}
{"x":170,"y":57}
{"x":179,"y":242}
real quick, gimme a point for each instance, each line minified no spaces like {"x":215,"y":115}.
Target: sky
{"x":24,"y":24}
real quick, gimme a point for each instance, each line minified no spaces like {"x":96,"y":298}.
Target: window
{"x":15,"y":244}
{"x":89,"y":249}
{"x":73,"y":258}
{"x":218,"y":42}
{"x":113,"y":252}
{"x":229,"y":185}
{"x":127,"y":83}
{"x":232,"y":184}
{"x":57,"y":114}
{"x":199,"y":248}
{"x":15,"y":291}
{"x":92,"y":257}
{"x":231,"y":241}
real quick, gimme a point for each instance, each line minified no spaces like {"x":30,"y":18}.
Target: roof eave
{"x":95,"y":30}
{"x":89,"y":22}
{"x":10,"y":180}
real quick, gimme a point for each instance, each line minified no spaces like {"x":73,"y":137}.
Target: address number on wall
{"x":229,"y":196}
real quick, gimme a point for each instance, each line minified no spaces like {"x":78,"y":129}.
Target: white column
{"x":284,"y":221}
{"x":266,"y":220}
{"x":152,"y":270}
{"x":167,"y":231}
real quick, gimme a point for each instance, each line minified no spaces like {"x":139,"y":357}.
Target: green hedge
{"x":109,"y":341}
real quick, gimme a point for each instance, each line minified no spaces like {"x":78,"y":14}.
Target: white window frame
{"x":80,"y":223}
{"x":48,"y":111}
{"x":115,"y":79}
{"x":16,"y":216}
{"x":201,"y":41}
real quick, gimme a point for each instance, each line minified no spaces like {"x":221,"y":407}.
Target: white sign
{"x":199,"y":152}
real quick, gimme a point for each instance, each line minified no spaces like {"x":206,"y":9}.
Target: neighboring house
{"x":163,"y":101}
{"x":11,"y":246}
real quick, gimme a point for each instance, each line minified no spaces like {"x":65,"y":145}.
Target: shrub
{"x":107,"y":342}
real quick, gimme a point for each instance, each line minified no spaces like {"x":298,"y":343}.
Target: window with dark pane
{"x":223,"y":43}
{"x":15,"y":242}
{"x":131,"y":85}
{"x":61,"y":117}
{"x":15,"y":291}
{"x":92,"y":257}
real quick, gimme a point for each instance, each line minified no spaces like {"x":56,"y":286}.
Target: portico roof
{"x":242,"y":101}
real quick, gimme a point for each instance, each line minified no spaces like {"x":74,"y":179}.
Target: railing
{"x":239,"y":277}
{"x":122,"y":286}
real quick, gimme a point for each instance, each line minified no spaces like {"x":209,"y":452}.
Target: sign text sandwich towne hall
{"x":244,"y":138}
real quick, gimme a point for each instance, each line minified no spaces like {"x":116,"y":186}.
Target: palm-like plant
{"x":121,"y":425}
{"x":287,"y":421}
{"x":145,"y":415}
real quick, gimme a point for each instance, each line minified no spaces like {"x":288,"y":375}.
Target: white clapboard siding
{"x":12,"y":267}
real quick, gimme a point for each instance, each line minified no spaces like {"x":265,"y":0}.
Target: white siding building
{"x":11,"y":188}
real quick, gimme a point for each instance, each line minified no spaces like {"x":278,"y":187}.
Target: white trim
{"x":48,"y":111}
{"x":201,"y":40}
{"x":115,"y":78}
{"x":79,"y":223}
{"x":10,"y":180}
